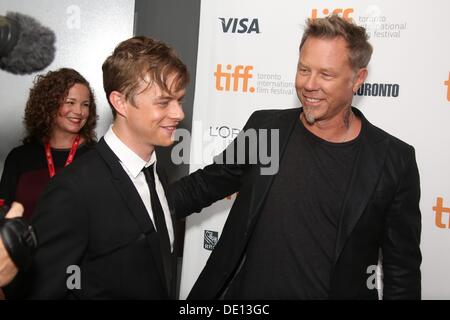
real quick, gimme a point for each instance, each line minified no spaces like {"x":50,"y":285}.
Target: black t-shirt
{"x":291,"y":251}
{"x":25,"y":173}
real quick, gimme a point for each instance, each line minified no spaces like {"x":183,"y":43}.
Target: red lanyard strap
{"x":48,"y":154}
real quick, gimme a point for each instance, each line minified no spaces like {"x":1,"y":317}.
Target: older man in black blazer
{"x":103,"y":224}
{"x":345,"y":191}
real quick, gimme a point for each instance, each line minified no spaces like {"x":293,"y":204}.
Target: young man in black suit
{"x":103,"y":224}
{"x":344,"y":192}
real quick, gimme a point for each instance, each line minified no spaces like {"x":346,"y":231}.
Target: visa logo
{"x":237,"y":25}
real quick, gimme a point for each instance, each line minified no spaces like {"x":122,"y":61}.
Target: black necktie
{"x":160,"y":223}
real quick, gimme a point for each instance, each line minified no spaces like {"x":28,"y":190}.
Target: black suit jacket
{"x":92,"y":216}
{"x":380,"y":213}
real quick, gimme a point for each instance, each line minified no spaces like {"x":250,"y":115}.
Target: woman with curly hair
{"x":60,"y":118}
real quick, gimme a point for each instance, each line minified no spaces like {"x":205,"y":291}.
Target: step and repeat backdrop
{"x":247,"y":59}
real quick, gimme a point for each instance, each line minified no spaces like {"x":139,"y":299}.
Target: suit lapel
{"x":285,"y":123}
{"x":365,"y":175}
{"x":126,"y":188}
{"x":131,"y":198}
{"x":364,"y":178}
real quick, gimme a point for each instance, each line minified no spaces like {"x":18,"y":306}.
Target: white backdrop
{"x":410,"y":60}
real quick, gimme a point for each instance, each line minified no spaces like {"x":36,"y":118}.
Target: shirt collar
{"x":127,"y":157}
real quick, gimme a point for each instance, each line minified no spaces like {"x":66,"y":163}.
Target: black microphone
{"x":26,"y":46}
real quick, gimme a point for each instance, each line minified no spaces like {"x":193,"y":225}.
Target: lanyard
{"x":48,"y":154}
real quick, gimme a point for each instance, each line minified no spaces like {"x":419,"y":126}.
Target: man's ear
{"x":360,"y":77}
{"x":119,"y":103}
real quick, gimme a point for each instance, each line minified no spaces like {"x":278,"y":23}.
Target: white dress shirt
{"x":133,"y":165}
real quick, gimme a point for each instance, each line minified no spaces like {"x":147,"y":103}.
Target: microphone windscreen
{"x":35,"y":48}
{"x":9,"y":35}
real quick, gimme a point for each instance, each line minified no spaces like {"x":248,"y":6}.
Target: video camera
{"x":18,"y":238}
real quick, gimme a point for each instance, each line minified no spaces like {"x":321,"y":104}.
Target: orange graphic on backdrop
{"x":439,"y":209}
{"x":447,"y":83}
{"x":345,"y":13}
{"x":231,"y":78}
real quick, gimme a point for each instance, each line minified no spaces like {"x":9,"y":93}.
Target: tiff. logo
{"x":439,"y":209}
{"x":345,"y":13}
{"x":233,"y":75}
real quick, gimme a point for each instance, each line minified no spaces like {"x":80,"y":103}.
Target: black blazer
{"x":92,"y":216}
{"x":380,"y":212}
